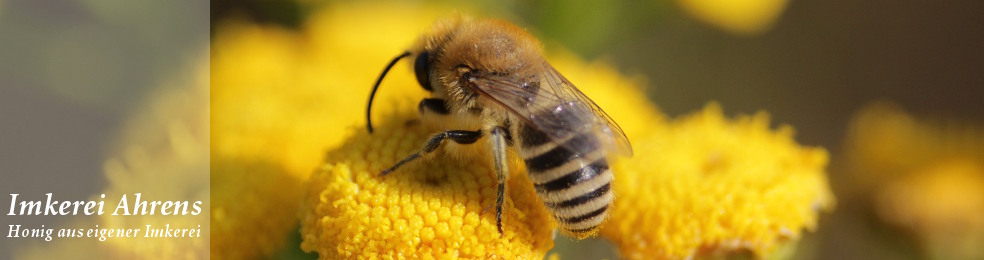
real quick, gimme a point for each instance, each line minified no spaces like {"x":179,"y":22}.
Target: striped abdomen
{"x":571,"y":176}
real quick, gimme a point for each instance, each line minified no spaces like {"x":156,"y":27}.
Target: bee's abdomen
{"x":572,"y":178}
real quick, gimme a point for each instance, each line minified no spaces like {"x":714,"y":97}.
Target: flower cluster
{"x":696,"y":186}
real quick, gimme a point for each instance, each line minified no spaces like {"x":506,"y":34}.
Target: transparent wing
{"x":551,"y":104}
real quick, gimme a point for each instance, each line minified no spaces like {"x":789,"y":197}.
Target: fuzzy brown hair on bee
{"x":489,"y":78}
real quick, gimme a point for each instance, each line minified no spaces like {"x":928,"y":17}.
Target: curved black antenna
{"x":376,"y":87}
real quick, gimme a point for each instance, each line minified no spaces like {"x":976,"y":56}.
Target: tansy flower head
{"x":435,"y":208}
{"x":704,"y":185}
{"x":922,"y":175}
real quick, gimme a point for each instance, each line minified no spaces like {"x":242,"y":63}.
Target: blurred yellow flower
{"x":925,"y":176}
{"x":736,"y":16}
{"x":254,"y":188}
{"x":160,"y":153}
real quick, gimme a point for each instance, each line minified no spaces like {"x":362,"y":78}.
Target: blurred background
{"x":78,"y":80}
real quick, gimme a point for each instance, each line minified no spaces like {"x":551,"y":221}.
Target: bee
{"x":490,"y":76}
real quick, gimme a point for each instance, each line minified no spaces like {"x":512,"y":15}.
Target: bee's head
{"x":459,"y":46}
{"x":485,"y":45}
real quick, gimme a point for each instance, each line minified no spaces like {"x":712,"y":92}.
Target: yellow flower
{"x":704,"y":185}
{"x":922,"y":175}
{"x":432,"y":209}
{"x":736,"y":16}
{"x":279,"y":99}
{"x":254,"y":185}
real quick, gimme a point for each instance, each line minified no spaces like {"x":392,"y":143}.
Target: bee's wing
{"x":551,"y":104}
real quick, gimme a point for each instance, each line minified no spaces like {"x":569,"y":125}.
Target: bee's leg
{"x":458,"y":136}
{"x":499,"y":142}
{"x":436,"y":105}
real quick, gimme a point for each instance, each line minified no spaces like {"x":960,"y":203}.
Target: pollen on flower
{"x":435,"y":207}
{"x":705,"y":185}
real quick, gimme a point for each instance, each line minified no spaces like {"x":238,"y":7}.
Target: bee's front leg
{"x":458,"y":136}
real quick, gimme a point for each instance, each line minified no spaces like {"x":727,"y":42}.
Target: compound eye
{"x":422,"y":67}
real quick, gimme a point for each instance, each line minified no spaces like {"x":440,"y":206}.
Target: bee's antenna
{"x":376,"y":86}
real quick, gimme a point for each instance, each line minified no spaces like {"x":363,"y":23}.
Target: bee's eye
{"x":423,"y":69}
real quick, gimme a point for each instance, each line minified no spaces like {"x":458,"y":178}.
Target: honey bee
{"x":490,"y":75}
